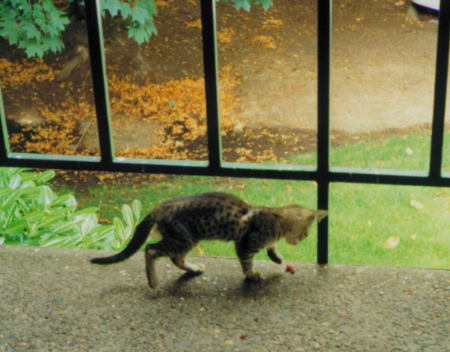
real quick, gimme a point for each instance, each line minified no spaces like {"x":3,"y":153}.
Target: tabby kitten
{"x":184,"y":221}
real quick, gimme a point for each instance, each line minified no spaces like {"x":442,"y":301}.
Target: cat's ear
{"x":319,"y":215}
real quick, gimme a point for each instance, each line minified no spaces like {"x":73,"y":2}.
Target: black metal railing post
{"x":98,"y":70}
{"x":210,"y":61}
{"x":440,"y":91}
{"x":323,"y":122}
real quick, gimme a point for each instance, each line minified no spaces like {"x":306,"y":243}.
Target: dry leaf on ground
{"x":416,"y":204}
{"x":392,"y":242}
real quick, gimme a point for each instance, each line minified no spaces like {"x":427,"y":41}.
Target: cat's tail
{"x":140,"y":235}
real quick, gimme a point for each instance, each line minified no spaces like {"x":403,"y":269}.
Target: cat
{"x":184,"y":221}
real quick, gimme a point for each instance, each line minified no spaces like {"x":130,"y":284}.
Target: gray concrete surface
{"x":55,"y":300}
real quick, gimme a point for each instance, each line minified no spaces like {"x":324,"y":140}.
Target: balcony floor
{"x":55,"y":300}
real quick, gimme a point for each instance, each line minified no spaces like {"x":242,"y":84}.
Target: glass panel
{"x":157,"y":87}
{"x":383,"y":67}
{"x":49,"y":102}
{"x":268,"y":86}
{"x":390,"y":225}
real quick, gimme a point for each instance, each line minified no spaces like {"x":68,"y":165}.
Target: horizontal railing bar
{"x":54,"y":158}
{"x":160,"y":162}
{"x":377,"y":172}
{"x":164,"y":167}
{"x":273,"y":167}
{"x":406,"y":178}
{"x":201,"y":168}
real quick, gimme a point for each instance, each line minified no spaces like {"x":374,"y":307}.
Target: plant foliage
{"x":36,"y":25}
{"x":247,"y":4}
{"x":31,"y":213}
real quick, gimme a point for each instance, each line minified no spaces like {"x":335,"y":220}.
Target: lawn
{"x":369,"y":224}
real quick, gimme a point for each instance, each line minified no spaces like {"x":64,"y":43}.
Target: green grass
{"x":408,"y":152}
{"x":362,"y":217}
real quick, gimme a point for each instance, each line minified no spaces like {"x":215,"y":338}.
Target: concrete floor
{"x":55,"y":300}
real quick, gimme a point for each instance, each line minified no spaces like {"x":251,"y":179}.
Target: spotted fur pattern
{"x":184,"y":221}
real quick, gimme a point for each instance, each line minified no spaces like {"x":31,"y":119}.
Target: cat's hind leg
{"x":180,"y":262}
{"x":176,"y":243}
{"x":151,"y":254}
{"x":181,"y":242}
{"x":164,"y":248}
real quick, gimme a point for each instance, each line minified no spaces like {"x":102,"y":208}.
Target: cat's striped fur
{"x":184,"y":221}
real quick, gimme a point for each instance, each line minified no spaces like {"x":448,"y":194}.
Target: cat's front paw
{"x":253,"y":278}
{"x":274,"y":256}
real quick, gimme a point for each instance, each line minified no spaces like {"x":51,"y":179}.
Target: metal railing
{"x":323,"y":174}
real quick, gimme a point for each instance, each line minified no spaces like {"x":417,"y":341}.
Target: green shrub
{"x":36,"y":25}
{"x":31,"y":213}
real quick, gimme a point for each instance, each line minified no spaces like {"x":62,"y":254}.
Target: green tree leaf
{"x":36,"y":26}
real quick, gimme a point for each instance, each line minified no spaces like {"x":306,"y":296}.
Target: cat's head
{"x":298,"y":222}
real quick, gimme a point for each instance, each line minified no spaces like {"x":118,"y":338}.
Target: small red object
{"x":290,"y":269}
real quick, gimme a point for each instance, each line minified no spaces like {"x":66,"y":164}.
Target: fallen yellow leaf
{"x":416,"y":204}
{"x":392,"y":242}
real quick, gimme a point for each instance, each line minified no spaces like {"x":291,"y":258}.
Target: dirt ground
{"x":382,"y":75}
{"x":382,"y":69}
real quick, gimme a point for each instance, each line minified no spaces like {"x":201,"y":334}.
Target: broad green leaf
{"x":113,"y":6}
{"x":11,"y":199}
{"x":244,"y":4}
{"x":138,"y":33}
{"x":10,"y":31}
{"x":27,"y":184}
{"x":136,"y":205}
{"x":125,"y":9}
{"x":45,"y":176}
{"x":14,"y":182}
{"x":32,"y":48}
{"x":71,"y":241}
{"x":66,"y":200}
{"x":266,"y":4}
{"x":88,"y":210}
{"x":30,"y":30}
{"x":47,"y":196}
{"x":100,"y":233}
{"x":53,"y":218}
{"x":127,"y":215}
{"x":118,"y":227}
{"x":89,"y":222}
{"x":18,"y":225}
{"x":34,"y":217}
{"x":139,"y":15}
{"x":67,"y":225}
